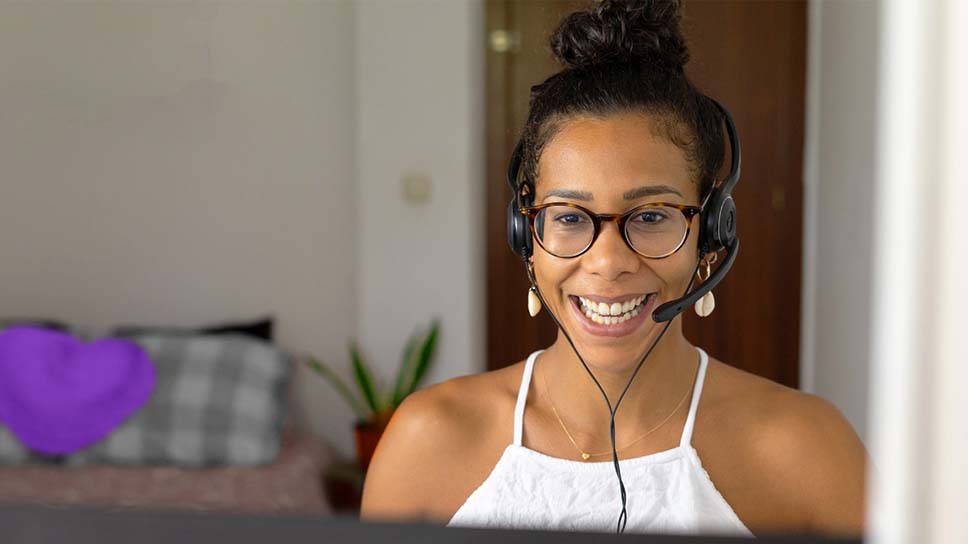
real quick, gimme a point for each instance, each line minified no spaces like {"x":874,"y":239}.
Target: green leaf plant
{"x":370,"y":407}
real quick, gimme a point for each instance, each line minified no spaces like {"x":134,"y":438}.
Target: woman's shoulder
{"x":453,"y":432}
{"x":462,"y":404}
{"x":791,"y":449}
{"x":769,"y":413}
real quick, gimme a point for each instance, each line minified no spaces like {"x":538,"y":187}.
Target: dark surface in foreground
{"x":31,"y":524}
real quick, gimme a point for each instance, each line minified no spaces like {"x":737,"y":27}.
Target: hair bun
{"x":622,"y":31}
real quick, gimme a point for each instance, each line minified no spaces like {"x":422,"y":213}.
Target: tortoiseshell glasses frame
{"x":620,"y":219}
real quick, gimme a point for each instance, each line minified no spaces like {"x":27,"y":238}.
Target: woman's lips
{"x":617,"y":330}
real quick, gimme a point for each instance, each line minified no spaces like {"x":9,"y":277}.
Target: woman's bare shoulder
{"x":439,"y":442}
{"x":458,"y":407}
{"x":793,"y":450}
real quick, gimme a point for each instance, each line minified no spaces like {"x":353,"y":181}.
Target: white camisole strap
{"x":696,"y":393}
{"x":686,"y":429}
{"x":523,"y":396}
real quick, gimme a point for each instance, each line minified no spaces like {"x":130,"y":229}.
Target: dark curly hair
{"x":621,"y":56}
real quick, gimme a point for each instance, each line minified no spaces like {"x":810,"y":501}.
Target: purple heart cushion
{"x":59,"y":395}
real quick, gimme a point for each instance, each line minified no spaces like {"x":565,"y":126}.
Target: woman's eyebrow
{"x":638,"y":192}
{"x":567,"y":193}
{"x":650,"y":190}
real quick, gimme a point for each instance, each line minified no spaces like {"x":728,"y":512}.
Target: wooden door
{"x":751,"y":56}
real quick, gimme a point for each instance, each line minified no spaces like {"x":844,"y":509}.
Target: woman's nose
{"x":610,"y":256}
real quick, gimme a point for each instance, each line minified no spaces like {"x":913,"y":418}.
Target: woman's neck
{"x":665,"y":377}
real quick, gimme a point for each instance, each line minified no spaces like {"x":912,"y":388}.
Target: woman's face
{"x":611,"y":165}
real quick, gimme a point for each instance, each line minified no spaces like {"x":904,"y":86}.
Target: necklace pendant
{"x":584,"y":456}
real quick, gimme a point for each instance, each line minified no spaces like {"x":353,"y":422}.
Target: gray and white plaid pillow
{"x":217,"y":400}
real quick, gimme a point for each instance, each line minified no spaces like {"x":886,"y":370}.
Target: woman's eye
{"x":650,"y":217}
{"x":569,"y":218}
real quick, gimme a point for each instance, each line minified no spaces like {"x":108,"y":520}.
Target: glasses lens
{"x":656,"y":231}
{"x":564,"y":231}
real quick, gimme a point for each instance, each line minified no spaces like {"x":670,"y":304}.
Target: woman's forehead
{"x":612,"y":157}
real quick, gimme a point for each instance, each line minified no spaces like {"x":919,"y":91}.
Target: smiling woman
{"x":618,"y":175}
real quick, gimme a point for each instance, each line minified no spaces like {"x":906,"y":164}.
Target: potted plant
{"x":373,"y":409}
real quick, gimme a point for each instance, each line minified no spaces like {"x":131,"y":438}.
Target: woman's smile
{"x":612,"y":316}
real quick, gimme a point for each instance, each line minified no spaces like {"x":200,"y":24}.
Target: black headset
{"x":717,"y":222}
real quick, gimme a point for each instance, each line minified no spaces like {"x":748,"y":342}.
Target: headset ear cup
{"x":719,"y":222}
{"x":727,"y":221}
{"x":519,"y":239}
{"x":514,"y":240}
{"x":528,"y":244}
{"x":710,"y":224}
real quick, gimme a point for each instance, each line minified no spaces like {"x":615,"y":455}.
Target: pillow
{"x":12,"y":452}
{"x":260,"y":328}
{"x":218,"y":400}
{"x":60,"y":394}
{"x":7,"y":322}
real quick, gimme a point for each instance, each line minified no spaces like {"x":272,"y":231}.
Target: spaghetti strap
{"x":686,"y":439}
{"x":522,"y":397}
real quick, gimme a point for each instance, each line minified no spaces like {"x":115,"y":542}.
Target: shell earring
{"x":534,"y":303}
{"x":705,"y":306}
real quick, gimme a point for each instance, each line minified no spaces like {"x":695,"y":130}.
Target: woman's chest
{"x":666,"y":492}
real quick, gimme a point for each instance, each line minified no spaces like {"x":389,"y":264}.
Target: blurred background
{"x":333,"y":170}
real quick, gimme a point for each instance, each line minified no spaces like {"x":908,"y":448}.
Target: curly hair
{"x":626,"y":56}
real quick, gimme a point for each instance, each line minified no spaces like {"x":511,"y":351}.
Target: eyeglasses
{"x":653,"y":230}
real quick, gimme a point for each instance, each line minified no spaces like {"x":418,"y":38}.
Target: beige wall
{"x":419,"y":96}
{"x":183,"y":163}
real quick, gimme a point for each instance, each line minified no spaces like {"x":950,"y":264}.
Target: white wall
{"x":182,"y":163}
{"x":839,"y":184}
{"x":420,"y":110}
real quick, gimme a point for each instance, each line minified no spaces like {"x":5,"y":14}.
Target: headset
{"x":717,"y":232}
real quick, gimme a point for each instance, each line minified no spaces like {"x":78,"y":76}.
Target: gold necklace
{"x":585,"y":455}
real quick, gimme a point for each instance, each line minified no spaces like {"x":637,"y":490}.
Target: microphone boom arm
{"x":674,"y":307}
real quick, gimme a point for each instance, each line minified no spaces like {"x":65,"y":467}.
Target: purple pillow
{"x":59,"y":395}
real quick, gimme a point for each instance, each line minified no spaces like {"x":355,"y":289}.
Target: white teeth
{"x":611,"y":314}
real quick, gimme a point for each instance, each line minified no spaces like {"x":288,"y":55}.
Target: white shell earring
{"x":705,"y":306}
{"x":534,"y":303}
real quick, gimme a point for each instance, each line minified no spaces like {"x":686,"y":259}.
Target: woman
{"x":703,"y":447}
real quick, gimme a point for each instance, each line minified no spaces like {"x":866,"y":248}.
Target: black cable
{"x":623,"y":516}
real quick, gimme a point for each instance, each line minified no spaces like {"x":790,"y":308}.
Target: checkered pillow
{"x":217,"y":400}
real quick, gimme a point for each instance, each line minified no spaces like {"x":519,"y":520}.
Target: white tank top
{"x":667,"y":492}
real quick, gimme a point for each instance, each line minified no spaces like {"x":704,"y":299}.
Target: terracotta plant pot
{"x":367,"y":434}
{"x":367,"y":437}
